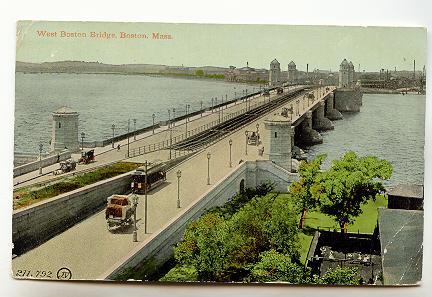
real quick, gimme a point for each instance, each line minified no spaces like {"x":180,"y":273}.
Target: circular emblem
{"x":64,"y":274}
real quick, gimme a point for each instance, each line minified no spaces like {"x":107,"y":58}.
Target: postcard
{"x":194,"y":153}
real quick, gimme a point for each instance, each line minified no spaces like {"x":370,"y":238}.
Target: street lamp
{"x":135,"y":204}
{"x":246,"y":134}
{"x":186,"y":120}
{"x":145,"y":195}
{"x":128,"y":137}
{"x":212,"y":105}
{"x":134,"y":121}
{"x":40,"y":157}
{"x":208,"y":168}
{"x":82,"y":140}
{"x":230,"y":146}
{"x":173,"y":116}
{"x":169,"y":117}
{"x":113,"y":129}
{"x":153,"y":116}
{"x":201,"y":108}
{"x":178,"y":188}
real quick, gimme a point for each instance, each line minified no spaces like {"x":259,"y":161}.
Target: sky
{"x":322,"y":47}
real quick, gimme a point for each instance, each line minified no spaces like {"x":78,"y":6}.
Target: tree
{"x":348,"y":184}
{"x":302,"y":190}
{"x":199,"y":72}
{"x":274,"y":266}
{"x":339,"y":276}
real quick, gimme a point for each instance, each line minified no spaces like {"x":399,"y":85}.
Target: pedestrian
{"x":118,"y":147}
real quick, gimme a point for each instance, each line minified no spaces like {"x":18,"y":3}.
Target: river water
{"x":106,"y":99}
{"x":389,"y":126}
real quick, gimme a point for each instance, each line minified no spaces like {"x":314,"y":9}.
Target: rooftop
{"x":412,"y":191}
{"x":401,"y":234}
{"x":65,"y":110}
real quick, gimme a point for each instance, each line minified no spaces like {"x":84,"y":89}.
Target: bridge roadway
{"x":106,"y":155}
{"x":88,"y":249}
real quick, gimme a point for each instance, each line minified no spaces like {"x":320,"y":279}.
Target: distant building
{"x":245,"y":74}
{"x":275,"y":73}
{"x":292,"y":72}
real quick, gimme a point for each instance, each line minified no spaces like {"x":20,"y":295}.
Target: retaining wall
{"x":35,"y":224}
{"x":52,"y":159}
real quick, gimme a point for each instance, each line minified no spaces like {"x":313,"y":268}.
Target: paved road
{"x":88,"y":249}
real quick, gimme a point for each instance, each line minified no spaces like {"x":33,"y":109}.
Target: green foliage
{"x":27,"y":196}
{"x":348,"y":184}
{"x":302,"y":191}
{"x":339,"y":276}
{"x":181,"y":274}
{"x":221,"y":245}
{"x":239,"y":200}
{"x":199,"y":72}
{"x":274,"y":266}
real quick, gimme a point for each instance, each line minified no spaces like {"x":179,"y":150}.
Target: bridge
{"x":90,"y":251}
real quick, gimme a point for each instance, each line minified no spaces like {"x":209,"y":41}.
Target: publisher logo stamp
{"x":64,"y":274}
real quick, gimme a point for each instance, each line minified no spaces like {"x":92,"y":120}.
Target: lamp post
{"x":230,"y":146}
{"x":40,"y":157}
{"x":170,"y":147}
{"x":128,"y":137}
{"x":186,"y":118}
{"x":201,"y":108}
{"x":153,"y":116}
{"x":178,"y":187}
{"x":173,"y":117}
{"x":134,"y":121}
{"x":145,"y":196}
{"x":113,"y":129}
{"x":135,"y":204}
{"x":82,"y":140}
{"x":246,"y":134}
{"x":212,"y":105}
{"x":208,"y":168}
{"x":169,"y":117}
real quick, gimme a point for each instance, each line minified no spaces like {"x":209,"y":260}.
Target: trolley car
{"x":156,"y":175}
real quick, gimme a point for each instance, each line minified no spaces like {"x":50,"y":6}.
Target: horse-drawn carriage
{"x":66,"y":166}
{"x":266,"y":93}
{"x":119,"y":212}
{"x":253,"y":138}
{"x":87,"y":157}
{"x":279,"y":90}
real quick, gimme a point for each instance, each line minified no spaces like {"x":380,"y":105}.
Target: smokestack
{"x":307,"y":70}
{"x":414,"y":69}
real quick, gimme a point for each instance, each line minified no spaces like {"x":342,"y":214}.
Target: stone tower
{"x":344,"y":74}
{"x":65,"y":130}
{"x":292,"y":72}
{"x":274,"y":73}
{"x":278,"y":141}
{"x":351,"y":74}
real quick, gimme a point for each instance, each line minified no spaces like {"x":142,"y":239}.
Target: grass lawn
{"x":305,"y":242}
{"x":29,"y":195}
{"x":365,"y":223}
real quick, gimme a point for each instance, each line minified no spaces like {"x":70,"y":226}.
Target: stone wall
{"x":157,"y":249}
{"x":348,"y":100}
{"x":52,"y":159}
{"x":35,"y":224}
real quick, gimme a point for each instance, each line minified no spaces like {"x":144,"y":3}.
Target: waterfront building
{"x":246,"y":74}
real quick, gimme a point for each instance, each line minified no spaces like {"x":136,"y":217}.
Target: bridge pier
{"x":348,"y":99}
{"x":320,"y":122}
{"x":309,"y":136}
{"x":330,"y":112}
